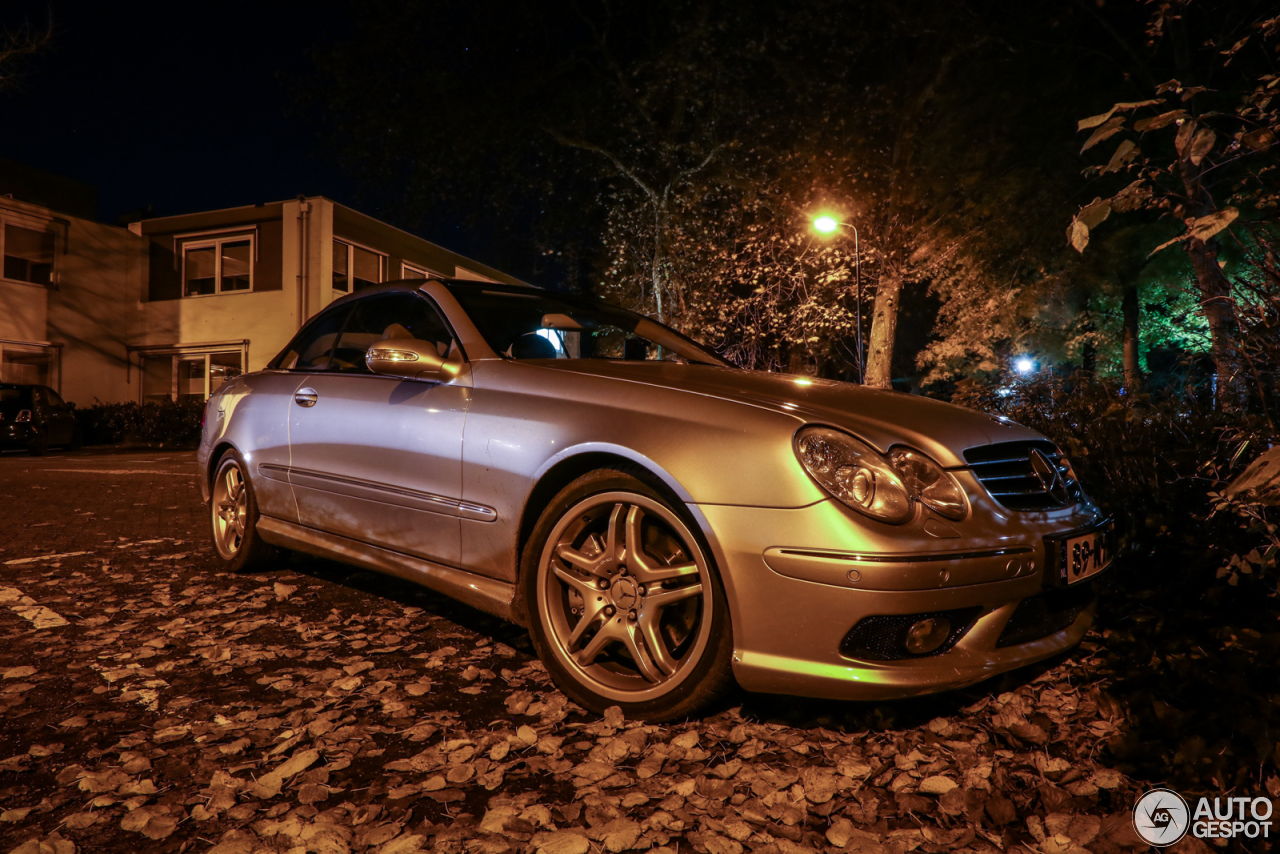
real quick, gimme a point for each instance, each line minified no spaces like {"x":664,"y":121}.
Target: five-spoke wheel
{"x":628,"y":607}
{"x":234,"y":516}
{"x":230,"y":510}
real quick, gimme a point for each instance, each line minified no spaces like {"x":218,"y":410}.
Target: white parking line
{"x":27,"y":608}
{"x":127,"y":471}
{"x":22,"y":560}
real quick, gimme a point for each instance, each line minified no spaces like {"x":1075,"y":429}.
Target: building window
{"x":217,"y":266}
{"x":28,"y":364}
{"x":28,"y":255}
{"x":188,"y":376}
{"x":411,"y":271}
{"x":355,"y":267}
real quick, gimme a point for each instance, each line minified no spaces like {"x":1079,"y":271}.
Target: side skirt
{"x":487,"y":594}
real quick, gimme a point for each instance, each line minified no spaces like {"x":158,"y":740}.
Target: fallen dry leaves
{"x":323,"y":710}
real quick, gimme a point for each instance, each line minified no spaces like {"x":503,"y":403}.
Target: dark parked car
{"x":36,"y":418}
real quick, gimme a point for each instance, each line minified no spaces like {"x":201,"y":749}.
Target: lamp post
{"x":827,"y":224}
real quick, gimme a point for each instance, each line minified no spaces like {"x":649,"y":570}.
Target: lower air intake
{"x":1045,"y":614}
{"x":884,"y":638}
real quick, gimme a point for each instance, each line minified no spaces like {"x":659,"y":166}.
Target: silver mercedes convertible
{"x":663,"y":523}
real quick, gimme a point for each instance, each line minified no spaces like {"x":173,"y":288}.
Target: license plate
{"x":1085,"y":555}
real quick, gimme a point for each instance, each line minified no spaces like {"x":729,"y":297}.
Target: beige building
{"x":169,"y":308}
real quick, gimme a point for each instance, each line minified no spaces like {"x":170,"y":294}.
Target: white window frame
{"x":216,"y":244}
{"x":189,"y":353}
{"x":383,"y":264}
{"x":427,"y":272}
{"x":30,"y":224}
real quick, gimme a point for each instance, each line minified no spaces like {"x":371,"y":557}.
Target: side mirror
{"x":411,"y":359}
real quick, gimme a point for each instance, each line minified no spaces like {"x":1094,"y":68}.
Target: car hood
{"x":879,"y":417}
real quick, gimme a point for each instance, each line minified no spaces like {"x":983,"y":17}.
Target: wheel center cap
{"x":625,"y":593}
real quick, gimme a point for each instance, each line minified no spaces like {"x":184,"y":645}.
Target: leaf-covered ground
{"x":150,"y":703}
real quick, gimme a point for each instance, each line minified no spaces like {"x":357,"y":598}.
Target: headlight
{"x":934,"y":487}
{"x":882,"y":488}
{"x":853,"y":473}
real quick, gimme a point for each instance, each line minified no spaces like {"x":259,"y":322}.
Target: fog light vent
{"x":892,"y":637}
{"x":927,"y":635}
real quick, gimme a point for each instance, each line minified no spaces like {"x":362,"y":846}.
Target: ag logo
{"x":1161,"y":817}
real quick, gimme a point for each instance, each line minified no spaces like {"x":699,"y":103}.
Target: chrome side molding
{"x":487,"y":594}
{"x":399,"y":496}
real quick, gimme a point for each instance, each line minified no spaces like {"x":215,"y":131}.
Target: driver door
{"x":379,"y":459}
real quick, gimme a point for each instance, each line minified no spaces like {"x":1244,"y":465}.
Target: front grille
{"x":1005,"y":469}
{"x":1045,"y":614}
{"x":884,"y":638}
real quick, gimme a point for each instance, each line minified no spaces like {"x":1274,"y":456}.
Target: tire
{"x":657,"y":639}
{"x":77,"y":440}
{"x":39,"y":446}
{"x":233,"y":517}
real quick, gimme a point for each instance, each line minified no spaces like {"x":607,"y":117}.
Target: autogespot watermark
{"x":1162,"y":817}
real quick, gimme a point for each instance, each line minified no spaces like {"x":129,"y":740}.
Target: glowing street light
{"x":827,"y":224}
{"x":1024,"y":364}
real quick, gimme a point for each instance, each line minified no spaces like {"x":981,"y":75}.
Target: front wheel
{"x":234,"y":517}
{"x":626,"y":607}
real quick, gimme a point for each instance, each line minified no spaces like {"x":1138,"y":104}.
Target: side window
{"x":311,"y":349}
{"x":54,"y":399}
{"x":387,"y":316}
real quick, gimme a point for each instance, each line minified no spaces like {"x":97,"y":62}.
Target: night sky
{"x":179,"y":106}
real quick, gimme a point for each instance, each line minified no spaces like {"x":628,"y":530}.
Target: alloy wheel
{"x":230,"y":510}
{"x":625,"y":595}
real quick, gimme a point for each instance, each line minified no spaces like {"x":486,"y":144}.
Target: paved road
{"x":149,"y":702}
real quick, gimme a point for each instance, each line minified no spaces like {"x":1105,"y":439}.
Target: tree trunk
{"x":1215,"y":294}
{"x":656,"y":271}
{"x":801,"y":361}
{"x":1215,"y":301}
{"x":1132,"y":367}
{"x":884,"y":329}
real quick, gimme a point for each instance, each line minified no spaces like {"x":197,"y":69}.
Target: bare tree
{"x":19,"y":45}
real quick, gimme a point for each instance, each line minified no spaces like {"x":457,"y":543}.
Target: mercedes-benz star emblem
{"x":1049,"y":476}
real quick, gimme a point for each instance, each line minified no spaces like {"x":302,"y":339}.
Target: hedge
{"x":166,"y":424}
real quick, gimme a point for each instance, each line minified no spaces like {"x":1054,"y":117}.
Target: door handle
{"x":305,"y":397}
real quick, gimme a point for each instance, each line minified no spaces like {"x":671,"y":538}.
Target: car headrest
{"x":531,"y":345}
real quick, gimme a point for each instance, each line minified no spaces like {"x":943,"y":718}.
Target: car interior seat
{"x":531,"y":345}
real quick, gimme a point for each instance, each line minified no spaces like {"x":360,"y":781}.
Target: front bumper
{"x":791,"y":615}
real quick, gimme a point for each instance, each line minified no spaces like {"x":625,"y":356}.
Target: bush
{"x":1153,"y":460}
{"x":168,"y":424}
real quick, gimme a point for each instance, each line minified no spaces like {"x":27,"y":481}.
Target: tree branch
{"x":585,"y":145}
{"x":17,"y":44}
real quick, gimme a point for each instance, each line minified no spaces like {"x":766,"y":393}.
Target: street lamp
{"x":1024,"y":364}
{"x":827,"y":224}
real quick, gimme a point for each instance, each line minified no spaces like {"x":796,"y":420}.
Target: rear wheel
{"x":626,"y":607}
{"x":234,"y":517}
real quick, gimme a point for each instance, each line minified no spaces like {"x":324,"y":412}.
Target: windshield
{"x":523,"y":323}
